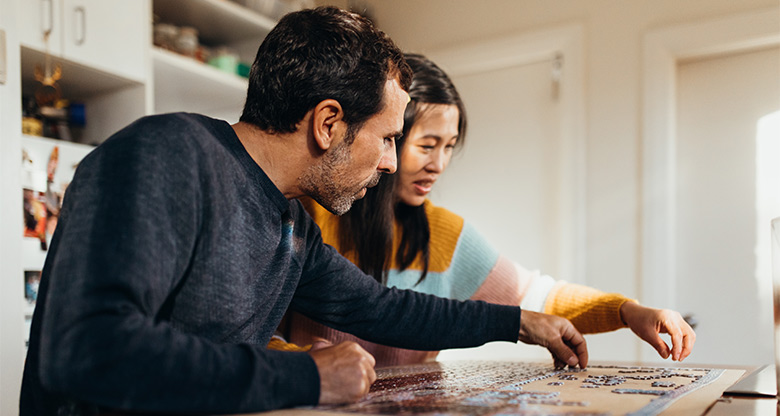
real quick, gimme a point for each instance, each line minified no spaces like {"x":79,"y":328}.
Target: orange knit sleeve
{"x":590,"y":310}
{"x":278,"y":344}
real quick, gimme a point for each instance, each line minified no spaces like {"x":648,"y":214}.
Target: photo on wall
{"x":32,"y":279}
{"x":42,"y":206}
{"x":35,"y":215}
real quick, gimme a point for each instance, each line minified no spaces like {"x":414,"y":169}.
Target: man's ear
{"x":327,"y":123}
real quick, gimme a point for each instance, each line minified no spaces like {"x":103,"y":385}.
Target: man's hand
{"x":648,"y":323}
{"x":558,"y":335}
{"x":346,"y":371}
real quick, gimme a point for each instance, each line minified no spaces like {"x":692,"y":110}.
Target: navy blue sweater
{"x":175,"y":258}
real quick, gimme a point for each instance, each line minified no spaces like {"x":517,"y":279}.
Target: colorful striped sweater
{"x":463,"y":265}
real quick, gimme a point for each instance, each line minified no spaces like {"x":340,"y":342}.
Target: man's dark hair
{"x":318,"y":54}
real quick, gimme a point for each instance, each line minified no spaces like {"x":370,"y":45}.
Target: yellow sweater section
{"x":279,"y":344}
{"x":444,"y":225}
{"x":590,"y":310}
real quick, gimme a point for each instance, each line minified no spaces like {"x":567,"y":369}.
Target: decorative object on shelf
{"x":49,"y":114}
{"x":243,"y":69}
{"x":48,"y":92}
{"x":182,"y":40}
{"x":31,"y":122}
{"x":51,"y":199}
{"x":60,"y":120}
{"x":187,"y":41}
{"x":225,"y":60}
{"x":165,"y":36}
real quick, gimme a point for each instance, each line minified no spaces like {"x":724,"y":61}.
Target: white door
{"x":504,"y":180}
{"x":722,"y":213}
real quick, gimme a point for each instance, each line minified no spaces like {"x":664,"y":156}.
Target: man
{"x":179,"y":247}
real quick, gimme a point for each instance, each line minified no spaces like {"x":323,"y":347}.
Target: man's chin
{"x":339,"y":207}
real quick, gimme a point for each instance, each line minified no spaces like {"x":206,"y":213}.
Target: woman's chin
{"x":413,"y":201}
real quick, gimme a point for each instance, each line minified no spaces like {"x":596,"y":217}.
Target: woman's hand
{"x":648,"y":323}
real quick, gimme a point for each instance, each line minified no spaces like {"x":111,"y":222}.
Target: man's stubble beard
{"x":321,"y":181}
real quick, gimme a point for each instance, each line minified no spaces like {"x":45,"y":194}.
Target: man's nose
{"x":388,"y":163}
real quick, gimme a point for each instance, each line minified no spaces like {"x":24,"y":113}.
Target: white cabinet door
{"x":110,"y":35}
{"x":36,"y":17}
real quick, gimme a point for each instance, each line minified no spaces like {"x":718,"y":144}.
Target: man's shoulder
{"x":175,"y":125}
{"x":163,"y":134}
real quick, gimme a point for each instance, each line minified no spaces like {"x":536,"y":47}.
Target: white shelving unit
{"x":184,"y":84}
{"x":111,"y":101}
{"x":217,"y":21}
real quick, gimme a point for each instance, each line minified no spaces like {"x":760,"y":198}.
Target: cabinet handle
{"x":80,"y":17}
{"x":47,"y":25}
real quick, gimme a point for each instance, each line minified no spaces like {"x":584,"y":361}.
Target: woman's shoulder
{"x":446,"y":229}
{"x":440,"y":217}
{"x":449,"y":231}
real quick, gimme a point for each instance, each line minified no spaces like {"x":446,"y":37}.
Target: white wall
{"x":613,"y":53}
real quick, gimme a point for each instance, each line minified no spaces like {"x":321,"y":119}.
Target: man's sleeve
{"x":128,"y":232}
{"x":334,"y":292}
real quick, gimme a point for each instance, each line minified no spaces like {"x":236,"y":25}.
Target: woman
{"x":401,"y":239}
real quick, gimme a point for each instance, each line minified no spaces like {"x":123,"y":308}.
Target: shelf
{"x":46,"y":142}
{"x":184,"y":84}
{"x":218,"y":21}
{"x":78,"y":82}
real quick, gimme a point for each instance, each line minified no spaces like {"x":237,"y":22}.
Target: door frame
{"x":565,"y":43}
{"x":663,"y":49}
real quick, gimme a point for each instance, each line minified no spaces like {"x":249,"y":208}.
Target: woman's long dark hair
{"x":367,"y":229}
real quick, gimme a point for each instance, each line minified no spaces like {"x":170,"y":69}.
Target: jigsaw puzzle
{"x":487,"y":388}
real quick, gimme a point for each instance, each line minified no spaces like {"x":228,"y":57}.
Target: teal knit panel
{"x":473,"y":259}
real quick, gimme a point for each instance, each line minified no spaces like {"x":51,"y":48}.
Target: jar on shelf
{"x":187,"y":41}
{"x":165,"y":36}
{"x":225,"y":60}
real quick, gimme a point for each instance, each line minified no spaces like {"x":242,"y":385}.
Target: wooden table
{"x":710,"y":405}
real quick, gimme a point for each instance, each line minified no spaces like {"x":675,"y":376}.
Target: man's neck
{"x":276,"y":154}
